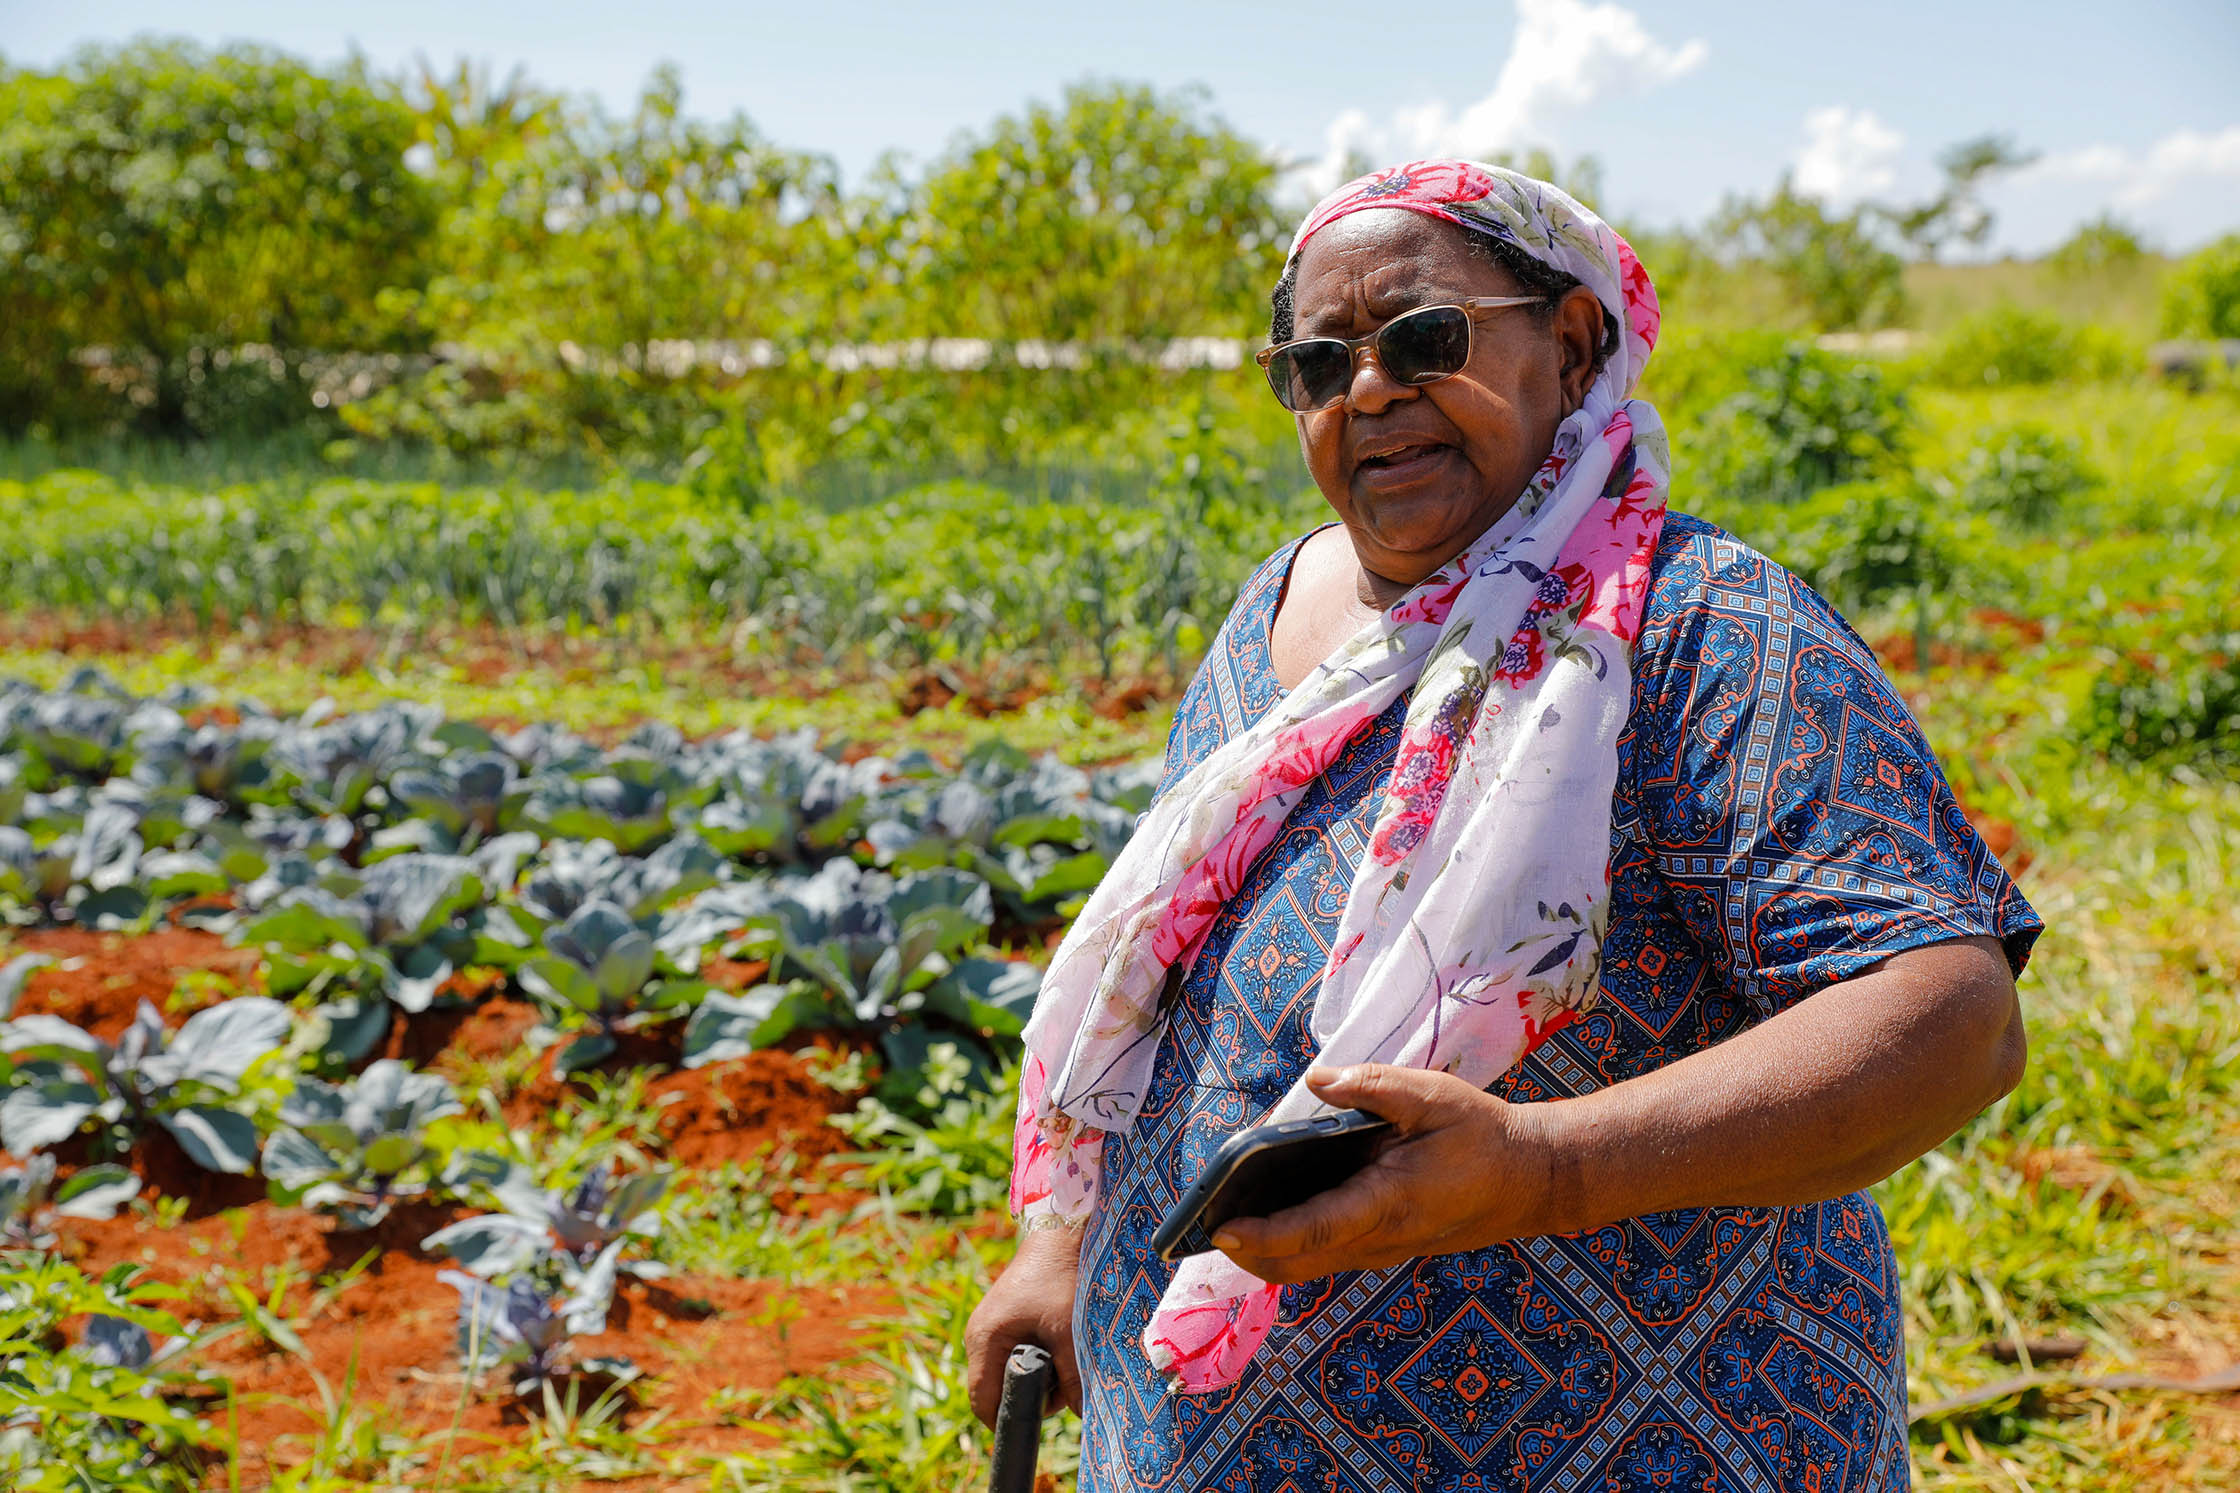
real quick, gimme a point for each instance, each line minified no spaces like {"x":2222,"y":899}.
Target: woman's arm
{"x":1833,"y":1093}
{"x":1031,"y":1302}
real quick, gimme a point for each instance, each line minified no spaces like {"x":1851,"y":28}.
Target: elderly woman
{"x":1581,"y":841}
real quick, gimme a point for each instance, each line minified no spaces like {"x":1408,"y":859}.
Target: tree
{"x":169,"y":204}
{"x":1119,"y":214}
{"x":1830,"y":265}
{"x":578,"y":227}
{"x":1957,"y":213}
{"x":2103,"y":245}
{"x":2202,"y":296}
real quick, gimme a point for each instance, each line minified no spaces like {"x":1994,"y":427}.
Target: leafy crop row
{"x":1019,"y":580}
{"x":373,"y":859}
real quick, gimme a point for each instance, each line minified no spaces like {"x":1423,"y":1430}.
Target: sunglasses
{"x":1416,"y":347}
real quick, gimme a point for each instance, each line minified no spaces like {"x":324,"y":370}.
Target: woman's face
{"x":1418,"y":471}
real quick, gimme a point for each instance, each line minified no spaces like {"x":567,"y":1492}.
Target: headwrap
{"x":1474,"y":923}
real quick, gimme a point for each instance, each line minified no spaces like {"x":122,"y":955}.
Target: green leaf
{"x":584,"y":1051}
{"x":214,"y":1139}
{"x":729,"y":1026}
{"x":560,"y":984}
{"x":13,"y":974}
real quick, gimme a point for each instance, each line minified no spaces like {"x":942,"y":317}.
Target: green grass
{"x":2126,"y":297}
{"x":2097,"y":1200}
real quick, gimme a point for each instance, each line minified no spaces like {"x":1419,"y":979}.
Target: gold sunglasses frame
{"x":1472,"y":308}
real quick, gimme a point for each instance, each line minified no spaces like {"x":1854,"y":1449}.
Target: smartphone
{"x":1265,"y":1170}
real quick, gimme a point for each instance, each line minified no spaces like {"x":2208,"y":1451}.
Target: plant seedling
{"x":357,"y":1147}
{"x":30,"y":1200}
{"x":579,"y":1222}
{"x":524,"y":1326}
{"x":65,"y":1077}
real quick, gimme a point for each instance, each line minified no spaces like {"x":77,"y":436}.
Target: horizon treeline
{"x":236,"y":244}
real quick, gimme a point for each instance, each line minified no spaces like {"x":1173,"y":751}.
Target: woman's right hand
{"x":1031,"y":1302}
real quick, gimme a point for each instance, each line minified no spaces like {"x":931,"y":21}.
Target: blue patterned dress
{"x":1778,"y":825}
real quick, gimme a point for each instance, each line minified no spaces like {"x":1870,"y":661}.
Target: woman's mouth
{"x":1401,"y":464}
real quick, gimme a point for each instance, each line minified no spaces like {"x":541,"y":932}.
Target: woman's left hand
{"x":1464,"y":1171}
{"x":1830,"y":1094}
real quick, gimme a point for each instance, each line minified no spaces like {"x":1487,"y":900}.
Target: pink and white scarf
{"x":1474,"y":924}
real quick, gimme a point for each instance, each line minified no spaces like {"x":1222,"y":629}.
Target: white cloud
{"x":2179,"y":190}
{"x":1566,"y":56}
{"x":1848,"y":155}
{"x":2142,"y":178}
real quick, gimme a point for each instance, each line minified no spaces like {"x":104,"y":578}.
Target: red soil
{"x":736,"y":1111}
{"x":389,"y":1326}
{"x":484,"y":654}
{"x":701,"y":1340}
{"x":983,"y":697}
{"x":487,"y":1029}
{"x":101,"y":978}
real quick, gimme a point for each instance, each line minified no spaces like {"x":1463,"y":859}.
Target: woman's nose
{"x":1372,"y":388}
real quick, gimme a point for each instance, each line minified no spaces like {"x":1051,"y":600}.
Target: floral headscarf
{"x":1474,"y":924}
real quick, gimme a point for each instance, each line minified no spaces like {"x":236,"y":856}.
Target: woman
{"x":1582,"y":842}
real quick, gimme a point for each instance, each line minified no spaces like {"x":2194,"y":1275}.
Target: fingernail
{"x":1224,"y":1239}
{"x":1320,"y":1074}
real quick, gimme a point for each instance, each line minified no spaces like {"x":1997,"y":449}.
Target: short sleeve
{"x":1782,"y":788}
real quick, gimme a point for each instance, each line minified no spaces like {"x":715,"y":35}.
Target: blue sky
{"x":2135,"y":106}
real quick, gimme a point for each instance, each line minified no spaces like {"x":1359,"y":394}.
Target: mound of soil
{"x":389,"y":1326}
{"x":99,"y":979}
{"x":741,"y":1110}
{"x":440,"y":1036}
{"x":383,"y":1320}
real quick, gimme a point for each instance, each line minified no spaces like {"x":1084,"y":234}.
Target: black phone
{"x":1265,"y":1170}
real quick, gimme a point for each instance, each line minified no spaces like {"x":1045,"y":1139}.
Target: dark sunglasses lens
{"x":1425,"y":345}
{"x":1308,"y":375}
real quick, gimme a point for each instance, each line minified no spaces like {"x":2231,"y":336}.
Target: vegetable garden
{"x":525,"y":1090}
{"x":519,"y":886}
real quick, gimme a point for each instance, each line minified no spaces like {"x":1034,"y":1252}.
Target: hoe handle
{"x":1027,"y":1381}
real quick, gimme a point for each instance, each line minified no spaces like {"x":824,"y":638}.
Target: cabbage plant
{"x":63,"y":1078}
{"x":527,"y":1327}
{"x":334,"y":766}
{"x":633,"y":803}
{"x":597,"y":980}
{"x":855,"y":950}
{"x":1039,"y":832}
{"x":357,"y":1148}
{"x":404,"y":927}
{"x":31,"y":1199}
{"x":80,"y":861}
{"x":572,"y":875}
{"x":579,"y":1222}
{"x":467,"y":798}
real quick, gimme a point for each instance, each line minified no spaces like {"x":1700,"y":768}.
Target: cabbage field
{"x":511,"y":986}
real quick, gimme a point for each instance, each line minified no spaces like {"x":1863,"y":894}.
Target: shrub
{"x":2024,"y":474}
{"x":2096,"y":248}
{"x":2176,"y":699}
{"x":1806,"y":419}
{"x":1697,"y":370}
{"x":2202,"y":296}
{"x":1831,"y":266}
{"x":1868,"y":543}
{"x":2010,"y":345}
